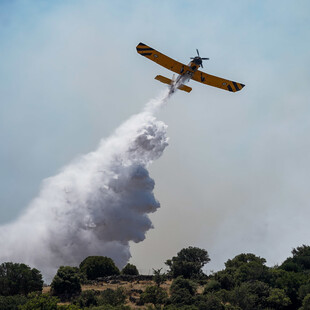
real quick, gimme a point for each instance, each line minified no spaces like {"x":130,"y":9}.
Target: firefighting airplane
{"x":186,"y":72}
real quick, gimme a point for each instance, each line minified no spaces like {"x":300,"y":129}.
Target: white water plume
{"x":96,"y":204}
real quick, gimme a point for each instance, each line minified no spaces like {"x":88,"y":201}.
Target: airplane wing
{"x":161,"y":59}
{"x":215,"y":81}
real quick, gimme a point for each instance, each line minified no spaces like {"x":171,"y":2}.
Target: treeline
{"x":245,"y":283}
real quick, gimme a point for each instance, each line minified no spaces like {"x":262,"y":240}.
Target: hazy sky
{"x":234,"y":177}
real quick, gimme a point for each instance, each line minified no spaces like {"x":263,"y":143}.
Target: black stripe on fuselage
{"x":144,"y":49}
{"x":236,"y":86}
{"x":229,"y":88}
{"x":146,"y":54}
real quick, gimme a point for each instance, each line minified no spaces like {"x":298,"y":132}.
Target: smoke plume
{"x":96,"y":204}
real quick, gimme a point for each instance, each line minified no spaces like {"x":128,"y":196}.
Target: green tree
{"x":68,"y":307}
{"x":290,"y":282}
{"x":251,"y":295}
{"x":188,"y":263}
{"x":277,"y":299}
{"x":19,"y":279}
{"x":306,"y":303}
{"x":303,"y":291}
{"x":66,"y":283}
{"x":300,"y":261}
{"x":159,"y":277}
{"x":130,"y":269}
{"x":12,"y":302}
{"x":40,"y":302}
{"x":98,"y":266}
{"x":243,"y":268}
{"x":154,"y":295}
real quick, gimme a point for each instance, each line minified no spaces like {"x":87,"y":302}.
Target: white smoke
{"x":95,"y":205}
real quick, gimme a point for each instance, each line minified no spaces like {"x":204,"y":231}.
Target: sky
{"x":234,"y":177}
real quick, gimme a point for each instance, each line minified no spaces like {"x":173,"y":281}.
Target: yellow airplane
{"x":186,"y":72}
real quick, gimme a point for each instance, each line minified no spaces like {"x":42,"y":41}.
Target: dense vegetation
{"x":246,"y":283}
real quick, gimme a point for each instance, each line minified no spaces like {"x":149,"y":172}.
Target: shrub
{"x":154,"y":295}
{"x":40,"y":302}
{"x":212,"y":286}
{"x":181,"y":283}
{"x":98,"y":266}
{"x":66,"y":283}
{"x":19,"y":279}
{"x":112,"y":297}
{"x":87,"y":298}
{"x":130,"y":269}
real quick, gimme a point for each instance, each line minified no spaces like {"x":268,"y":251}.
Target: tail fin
{"x":170,"y":82}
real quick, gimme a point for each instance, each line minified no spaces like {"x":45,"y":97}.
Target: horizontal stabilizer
{"x":165,"y":80}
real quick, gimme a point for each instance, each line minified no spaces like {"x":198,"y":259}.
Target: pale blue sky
{"x":237,"y":164}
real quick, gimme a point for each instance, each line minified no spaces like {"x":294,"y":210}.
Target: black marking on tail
{"x":229,"y":88}
{"x":144,"y":49}
{"x":146,"y":54}
{"x":236,"y":86}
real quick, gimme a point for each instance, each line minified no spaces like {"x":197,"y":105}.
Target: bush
{"x":98,"y":266}
{"x":154,"y":295}
{"x":209,"y":302}
{"x":12,"y":302}
{"x":109,"y":307}
{"x":182,"y":291}
{"x":40,"y":302}
{"x":112,"y":297}
{"x":212,"y":286}
{"x":66,"y":283}
{"x":181,"y":283}
{"x":87,"y":299}
{"x":130,"y":269}
{"x":19,"y":279}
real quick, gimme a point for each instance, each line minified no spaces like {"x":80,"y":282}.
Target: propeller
{"x":199,"y":59}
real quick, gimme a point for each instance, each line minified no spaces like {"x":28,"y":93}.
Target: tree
{"x":19,"y":279}
{"x":159,"y":278}
{"x":188,"y":263}
{"x":130,"y":269}
{"x":243,"y":268}
{"x":12,"y":302}
{"x":277,"y":299}
{"x":98,"y":266}
{"x":306,"y":303}
{"x":300,"y":260}
{"x":154,"y":295}
{"x":66,"y":283}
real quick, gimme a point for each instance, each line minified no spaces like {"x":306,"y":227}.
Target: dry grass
{"x":131,"y":289}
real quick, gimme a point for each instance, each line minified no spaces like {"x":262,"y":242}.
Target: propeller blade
{"x":197,"y":52}
{"x":205,"y":58}
{"x":201,"y":66}
{"x":192,"y":58}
